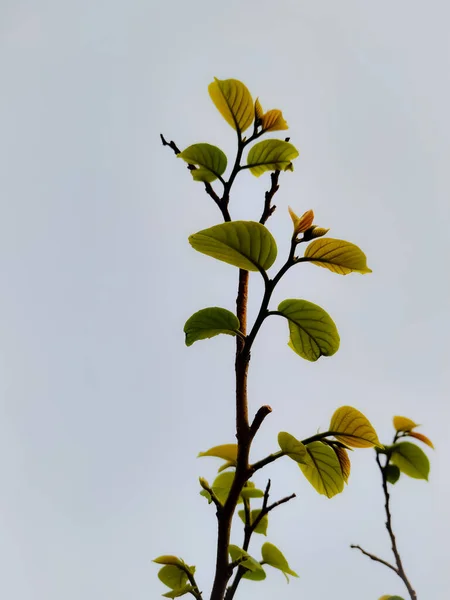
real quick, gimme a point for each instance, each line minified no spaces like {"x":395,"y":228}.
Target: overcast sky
{"x":102,"y":407}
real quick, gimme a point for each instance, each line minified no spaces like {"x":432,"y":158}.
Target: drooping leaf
{"x":179,"y":592}
{"x":422,"y":438}
{"x":233,"y":101}
{"x":225,"y":451}
{"x":209,"y":322}
{"x":210,"y":160}
{"x":173,"y":577}
{"x":324,"y":471}
{"x":244,"y":244}
{"x":273,"y":120}
{"x":354,"y":428}
{"x":392,"y":473}
{"x":337,"y":255}
{"x":271,"y":155}
{"x":313,"y":332}
{"x":403,"y":424}
{"x":262,"y":525}
{"x":255,"y":570}
{"x":292,"y":447}
{"x":276,"y":559}
{"x":168,"y":559}
{"x":344,"y":461}
{"x":411,"y":460}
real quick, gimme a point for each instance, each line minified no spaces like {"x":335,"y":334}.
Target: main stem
{"x":225,"y":516}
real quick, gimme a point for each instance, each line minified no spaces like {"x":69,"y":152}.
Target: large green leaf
{"x":324,"y":470}
{"x":210,"y":160}
{"x":244,"y":244}
{"x":255,"y":571}
{"x":233,"y":101}
{"x":209,"y":322}
{"x":411,"y":460}
{"x":173,"y":577}
{"x":227,"y":452}
{"x":275,"y":558}
{"x":354,"y":428}
{"x":313,"y":332}
{"x":271,"y":155}
{"x":292,"y":447}
{"x":262,"y":525}
{"x":337,"y":255}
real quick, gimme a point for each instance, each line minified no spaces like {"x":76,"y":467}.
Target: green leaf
{"x":173,"y":577}
{"x":392,"y":473}
{"x":262,"y":525}
{"x":324,"y":471}
{"x":233,"y":101}
{"x":209,"y":322}
{"x":275,"y":558}
{"x":210,"y":160}
{"x":252,"y":493}
{"x":225,"y":451}
{"x":313,"y":332}
{"x":244,"y":244}
{"x":168,"y":559}
{"x":354,"y":428}
{"x":292,"y":447}
{"x":337,"y":255}
{"x":222,"y":484}
{"x":388,"y":597}
{"x":271,"y":155}
{"x":255,"y":571}
{"x":411,"y":460}
{"x":226,"y":465}
{"x":179,"y":592}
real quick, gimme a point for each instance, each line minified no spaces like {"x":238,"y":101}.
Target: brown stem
{"x":375,"y":558}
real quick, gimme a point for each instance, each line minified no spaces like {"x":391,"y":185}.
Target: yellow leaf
{"x":258,"y":109}
{"x":233,"y":101}
{"x":344,"y":461}
{"x":227,"y":452}
{"x":273,"y":121}
{"x":301,"y":224}
{"x":351,"y":427}
{"x":316,"y":232}
{"x":337,"y":255}
{"x":403,"y":424}
{"x":422,"y":438}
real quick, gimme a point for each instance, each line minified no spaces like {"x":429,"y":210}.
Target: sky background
{"x":102,"y":407}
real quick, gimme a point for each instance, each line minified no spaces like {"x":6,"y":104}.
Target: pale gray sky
{"x":102,"y":407}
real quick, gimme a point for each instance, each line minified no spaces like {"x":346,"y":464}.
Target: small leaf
{"x":389,"y":597}
{"x":252,"y":493}
{"x":344,"y":461}
{"x":168,"y":559}
{"x":211,"y":161}
{"x":411,"y":460}
{"x":262,"y":525}
{"x":271,"y":155}
{"x":315,"y":232}
{"x":255,"y":571}
{"x":354,"y":428}
{"x":422,"y":438}
{"x":206,"y":495}
{"x":233,"y":101}
{"x":209,"y":322}
{"x":173,"y":577}
{"x":244,"y":244}
{"x":222,"y":484}
{"x":403,"y":424}
{"x":179,"y":592}
{"x":337,"y":255}
{"x":313,"y":332}
{"x":324,"y":471}
{"x":392,"y":473}
{"x":225,"y":451}
{"x":226,"y":466}
{"x":292,"y":447}
{"x":275,"y":558}
{"x":301,"y":224}
{"x":258,"y":109}
{"x":273,"y":120}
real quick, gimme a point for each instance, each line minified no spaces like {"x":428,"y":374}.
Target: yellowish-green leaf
{"x":168,"y":559}
{"x":233,"y":101}
{"x":313,"y":332}
{"x":392,"y":473}
{"x":421,"y":437}
{"x":344,"y":461}
{"x":226,"y":466}
{"x":252,"y":493}
{"x":271,"y":155}
{"x":258,"y":109}
{"x":315,"y":232}
{"x":210,"y":160}
{"x":324,"y":471}
{"x":262,"y":525}
{"x":403,"y":424}
{"x":411,"y":460}
{"x":255,"y":571}
{"x":389,"y":597}
{"x":301,"y":224}
{"x":351,"y":427}
{"x":273,"y":120}
{"x":173,"y":577}
{"x":222,"y":484}
{"x":179,"y":592}
{"x":225,"y":451}
{"x":337,"y":255}
{"x":244,"y":244}
{"x":276,"y":559}
{"x":209,"y":322}
{"x":293,"y":447}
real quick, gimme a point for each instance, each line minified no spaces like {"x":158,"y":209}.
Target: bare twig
{"x":259,"y":418}
{"x":375,"y":558}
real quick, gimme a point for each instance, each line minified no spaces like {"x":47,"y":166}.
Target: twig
{"x":268,"y":209}
{"x":259,"y":418}
{"x":375,"y":558}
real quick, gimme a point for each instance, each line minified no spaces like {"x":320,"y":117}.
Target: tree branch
{"x":262,"y":413}
{"x":375,"y":558}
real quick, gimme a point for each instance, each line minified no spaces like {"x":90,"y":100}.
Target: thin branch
{"x":195,"y":592}
{"x":375,"y":558}
{"x":266,"y":461}
{"x":262,"y":413}
{"x":268,"y":208}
